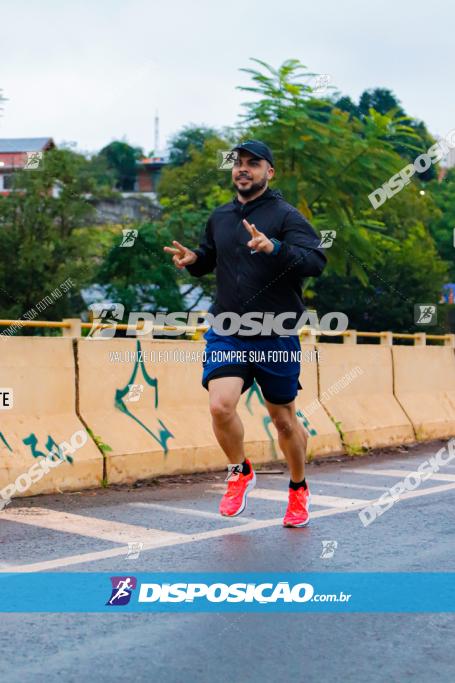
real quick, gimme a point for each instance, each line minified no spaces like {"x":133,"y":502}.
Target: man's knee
{"x":284,"y":423}
{"x":222,"y":409}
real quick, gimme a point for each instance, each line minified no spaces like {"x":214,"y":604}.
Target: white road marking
{"x":102,"y":529}
{"x":340,"y":483}
{"x":282,"y":496}
{"x":336,"y":501}
{"x":163,"y":539}
{"x":347,"y":486}
{"x":188,"y":511}
{"x":402,"y":474}
{"x":424,"y":492}
{"x":118,"y":552}
{"x":83,"y":558}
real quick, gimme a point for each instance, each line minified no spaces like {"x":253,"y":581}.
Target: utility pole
{"x":157,"y":133}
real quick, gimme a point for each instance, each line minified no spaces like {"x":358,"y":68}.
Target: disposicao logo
{"x":122,"y":587}
{"x":222,"y":592}
{"x":203,"y":594}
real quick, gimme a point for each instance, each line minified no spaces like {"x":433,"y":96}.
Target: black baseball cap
{"x":257,"y":149}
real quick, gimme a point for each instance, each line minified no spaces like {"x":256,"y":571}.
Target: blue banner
{"x":227,"y":592}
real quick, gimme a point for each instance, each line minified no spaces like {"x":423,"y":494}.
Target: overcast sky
{"x":91,"y":71}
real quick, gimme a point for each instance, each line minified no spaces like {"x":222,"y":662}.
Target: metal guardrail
{"x":33,"y":323}
{"x":72,"y":327}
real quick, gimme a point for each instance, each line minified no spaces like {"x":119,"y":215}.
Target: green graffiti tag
{"x":50,"y":445}
{"x":5,"y":442}
{"x":32,"y":442}
{"x":306,"y":423}
{"x":255,"y":392}
{"x":163,"y":434}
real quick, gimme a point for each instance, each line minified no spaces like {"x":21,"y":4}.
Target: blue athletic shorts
{"x":273,"y":361}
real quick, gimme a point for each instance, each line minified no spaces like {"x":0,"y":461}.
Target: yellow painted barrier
{"x":425,"y":387}
{"x":324,"y":438}
{"x":41,"y":374}
{"x":145,"y":401}
{"x":356,"y":388}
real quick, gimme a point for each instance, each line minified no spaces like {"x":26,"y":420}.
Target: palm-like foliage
{"x":327,"y":164}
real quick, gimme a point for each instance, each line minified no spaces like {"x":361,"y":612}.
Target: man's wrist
{"x":276,"y":247}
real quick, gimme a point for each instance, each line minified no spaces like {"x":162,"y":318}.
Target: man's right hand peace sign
{"x":181,"y":256}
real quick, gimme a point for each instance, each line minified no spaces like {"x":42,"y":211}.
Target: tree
{"x":121,"y":158}
{"x":442,"y":224}
{"x":380,"y":99}
{"x":190,"y":137}
{"x":44,"y":238}
{"x":401,"y":274}
{"x":327,"y":163}
{"x":141,"y":277}
{"x":100,"y":173}
{"x":385,"y":102}
{"x":188,"y":194}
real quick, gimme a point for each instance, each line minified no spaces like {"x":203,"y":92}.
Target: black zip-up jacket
{"x":247,"y":282}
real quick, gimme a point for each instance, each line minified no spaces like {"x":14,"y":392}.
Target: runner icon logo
{"x":122,"y":587}
{"x":425,"y":314}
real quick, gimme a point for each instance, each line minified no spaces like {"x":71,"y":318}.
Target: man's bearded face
{"x":250,"y":175}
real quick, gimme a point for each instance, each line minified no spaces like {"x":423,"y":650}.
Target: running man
{"x":262,"y":248}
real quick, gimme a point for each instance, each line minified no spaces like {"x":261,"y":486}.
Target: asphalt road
{"x":176,"y":520}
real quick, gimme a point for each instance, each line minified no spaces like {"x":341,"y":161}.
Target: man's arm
{"x":206,"y":254}
{"x":299,"y":247}
{"x":198,"y":262}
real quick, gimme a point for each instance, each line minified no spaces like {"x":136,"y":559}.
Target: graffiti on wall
{"x":3,"y":438}
{"x":51,"y":446}
{"x":161,"y":433}
{"x":254,"y":395}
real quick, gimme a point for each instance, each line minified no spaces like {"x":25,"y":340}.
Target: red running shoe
{"x":298,"y":512}
{"x":239,"y":485}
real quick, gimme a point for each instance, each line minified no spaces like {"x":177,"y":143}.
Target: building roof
{"x":158,"y":159}
{"x":8,"y":145}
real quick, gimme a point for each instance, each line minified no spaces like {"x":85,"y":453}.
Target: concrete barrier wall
{"x":324,"y":438}
{"x":164,"y":427}
{"x":425,"y":387}
{"x":356,"y":388}
{"x":168,"y":429}
{"x":41,"y":374}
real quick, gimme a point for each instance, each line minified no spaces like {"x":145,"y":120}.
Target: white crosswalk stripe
{"x":48,"y":565}
{"x":102,"y":529}
{"x":186,"y":511}
{"x":282,"y":496}
{"x":347,"y":485}
{"x":154,"y":538}
{"x":401,"y":474}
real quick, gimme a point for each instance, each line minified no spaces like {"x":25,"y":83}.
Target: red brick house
{"x":148,"y":173}
{"x":17,"y":153}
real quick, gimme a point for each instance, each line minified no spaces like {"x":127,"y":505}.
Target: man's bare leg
{"x":224,"y":394}
{"x":291,"y":437}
